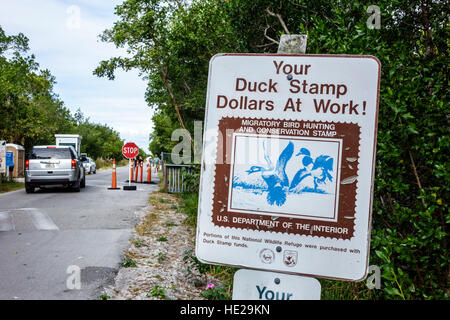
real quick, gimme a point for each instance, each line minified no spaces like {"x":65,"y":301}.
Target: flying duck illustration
{"x":319,"y":169}
{"x":275,"y":177}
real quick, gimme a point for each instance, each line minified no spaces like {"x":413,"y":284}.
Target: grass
{"x":161,"y":181}
{"x":7,"y":186}
{"x":187,"y":203}
{"x":343,"y":290}
{"x":189,"y":206}
{"x":157,"y":292}
{"x":143,"y":229}
{"x":170,"y":224}
{"x":161,"y":256}
{"x":138,"y":243}
{"x":160,"y":201}
{"x":104,"y":164}
{"x":129,"y":263}
{"x":104,"y":297}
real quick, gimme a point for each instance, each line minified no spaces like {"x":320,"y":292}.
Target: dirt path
{"x":160,"y":262}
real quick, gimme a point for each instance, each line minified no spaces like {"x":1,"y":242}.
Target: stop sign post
{"x":129,"y":151}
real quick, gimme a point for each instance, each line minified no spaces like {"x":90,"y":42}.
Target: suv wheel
{"x":29,"y":188}
{"x":76,"y":186}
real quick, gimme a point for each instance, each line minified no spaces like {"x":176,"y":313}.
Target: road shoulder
{"x":160,"y":263}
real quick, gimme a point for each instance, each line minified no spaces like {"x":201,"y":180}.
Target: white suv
{"x":89,"y":165}
{"x":54,"y":165}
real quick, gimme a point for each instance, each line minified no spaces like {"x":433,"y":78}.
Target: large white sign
{"x":288,"y":163}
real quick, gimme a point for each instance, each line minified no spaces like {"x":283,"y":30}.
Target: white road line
{"x":6,"y":222}
{"x":41,"y":220}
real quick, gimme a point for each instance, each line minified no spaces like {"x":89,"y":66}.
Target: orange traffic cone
{"x":142,"y":169}
{"x":149,"y":173}
{"x":131,"y":173}
{"x":137,"y":169}
{"x":114,"y":177}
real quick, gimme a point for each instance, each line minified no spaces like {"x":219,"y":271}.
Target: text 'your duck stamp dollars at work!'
{"x":288,"y":162}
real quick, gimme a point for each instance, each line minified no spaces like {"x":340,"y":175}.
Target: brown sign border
{"x":350,"y":135}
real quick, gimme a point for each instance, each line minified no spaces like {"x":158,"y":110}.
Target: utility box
{"x":73,"y":140}
{"x":18,"y":159}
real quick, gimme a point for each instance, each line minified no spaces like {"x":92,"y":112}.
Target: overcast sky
{"x":64,"y":38}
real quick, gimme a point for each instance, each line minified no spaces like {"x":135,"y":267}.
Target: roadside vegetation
{"x":104,"y":164}
{"x":172,"y":42}
{"x":189,"y":206}
{"x":7,"y":186}
{"x":160,"y":263}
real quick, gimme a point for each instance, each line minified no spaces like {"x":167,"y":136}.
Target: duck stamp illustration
{"x":277,"y":180}
{"x":286,"y":177}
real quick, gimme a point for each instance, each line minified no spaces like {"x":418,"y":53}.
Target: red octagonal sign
{"x":130,"y":150}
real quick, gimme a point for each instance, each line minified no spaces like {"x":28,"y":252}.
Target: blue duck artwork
{"x":318,"y":168}
{"x":275,"y":177}
{"x":307,"y":174}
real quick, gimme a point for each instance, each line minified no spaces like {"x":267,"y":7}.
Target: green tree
{"x":160,"y":138}
{"x":30,"y":111}
{"x":98,"y":140}
{"x":159,"y":35}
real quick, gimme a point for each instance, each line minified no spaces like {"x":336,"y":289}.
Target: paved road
{"x":47,"y":236}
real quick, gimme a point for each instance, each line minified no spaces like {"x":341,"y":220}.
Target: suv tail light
{"x":74,"y":163}
{"x":27,"y":164}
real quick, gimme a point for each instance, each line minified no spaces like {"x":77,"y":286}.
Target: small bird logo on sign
{"x":290,"y":258}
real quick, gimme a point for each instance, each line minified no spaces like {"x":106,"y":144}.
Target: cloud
{"x":64,"y":38}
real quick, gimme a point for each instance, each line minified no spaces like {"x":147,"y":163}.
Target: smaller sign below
{"x":263,"y":285}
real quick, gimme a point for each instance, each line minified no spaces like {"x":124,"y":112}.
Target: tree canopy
{"x":31,"y":113}
{"x":98,"y":140}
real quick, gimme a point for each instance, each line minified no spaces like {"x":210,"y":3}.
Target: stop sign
{"x":130,"y":150}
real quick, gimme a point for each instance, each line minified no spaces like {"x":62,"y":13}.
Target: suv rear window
{"x":51,"y":153}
